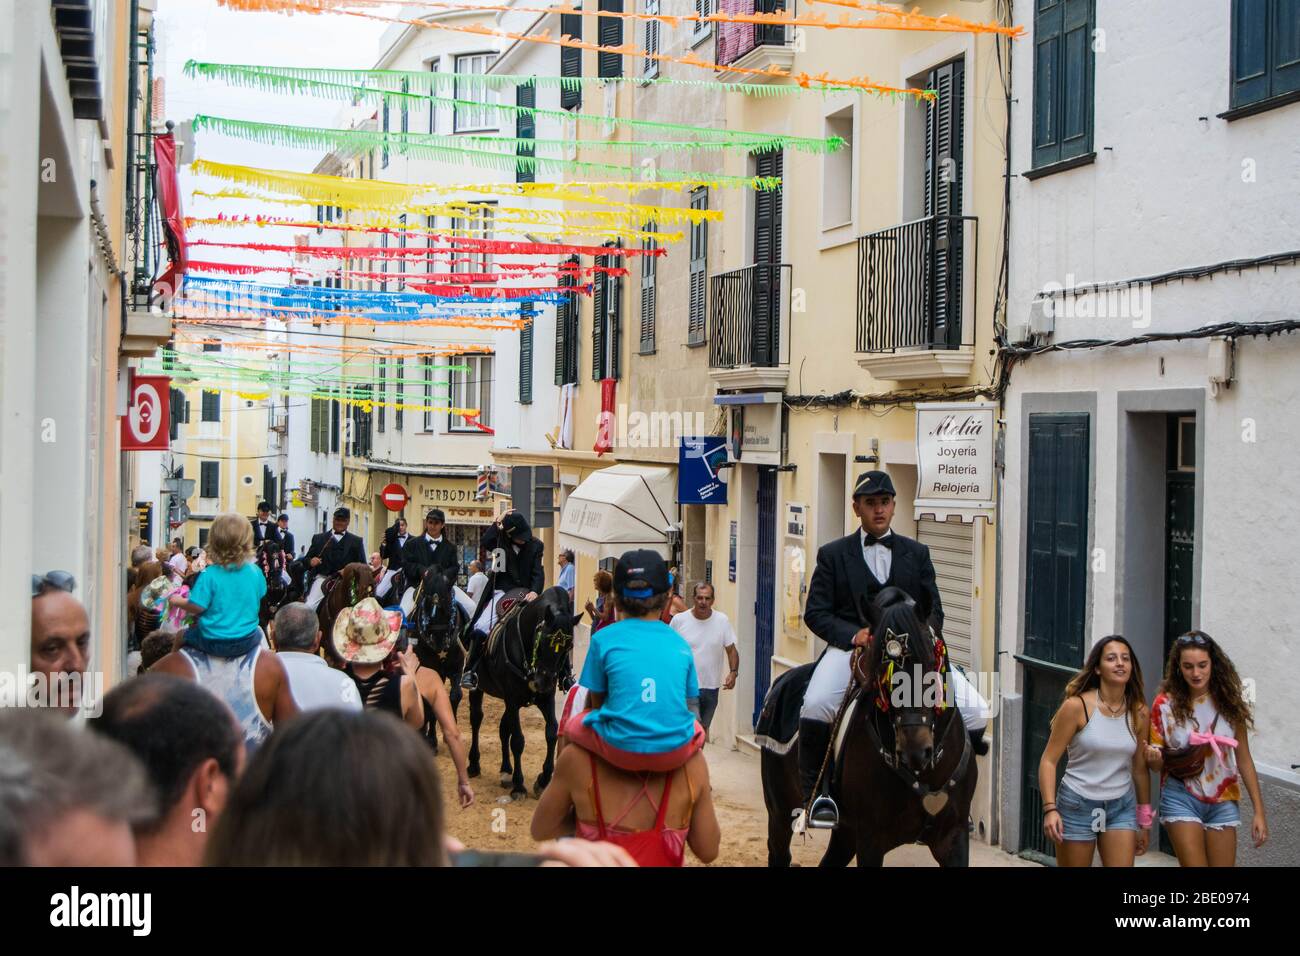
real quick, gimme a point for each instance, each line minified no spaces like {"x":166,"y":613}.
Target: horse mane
{"x":894,"y":611}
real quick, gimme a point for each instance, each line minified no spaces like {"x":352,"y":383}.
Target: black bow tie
{"x":886,"y":542}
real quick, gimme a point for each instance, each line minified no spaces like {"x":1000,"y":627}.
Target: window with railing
{"x":750,"y":317}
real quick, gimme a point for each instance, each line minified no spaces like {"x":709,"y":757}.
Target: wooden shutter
{"x":561,"y":328}
{"x":699,"y":271}
{"x":767,"y":251}
{"x":210,"y":479}
{"x":650,"y":67}
{"x":211,"y":407}
{"x":598,"y":370}
{"x":571,"y":60}
{"x":334,"y":425}
{"x":609,"y":33}
{"x":1063,"y":79}
{"x":1056,"y":569}
{"x":400,"y":397}
{"x":384,"y":164}
{"x":566,"y":331}
{"x":383,"y":392}
{"x":614,"y":307}
{"x":648,"y":268}
{"x":944,"y":162}
{"x":526,"y":359}
{"x":1265,"y":49}
{"x":525,"y":128}
{"x":1284,"y":49}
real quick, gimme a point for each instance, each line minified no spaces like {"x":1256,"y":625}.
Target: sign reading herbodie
{"x":954,"y":457}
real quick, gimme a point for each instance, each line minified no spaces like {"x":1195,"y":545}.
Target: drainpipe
{"x":999,"y":734}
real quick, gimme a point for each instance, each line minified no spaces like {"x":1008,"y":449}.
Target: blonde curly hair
{"x":230,"y":542}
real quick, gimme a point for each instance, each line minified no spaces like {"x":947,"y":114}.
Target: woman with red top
{"x":654,"y":816}
{"x":1200,"y":723}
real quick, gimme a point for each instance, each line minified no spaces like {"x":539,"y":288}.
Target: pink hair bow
{"x":1197,"y":738}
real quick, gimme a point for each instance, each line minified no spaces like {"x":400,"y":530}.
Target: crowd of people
{"x":232,"y":746}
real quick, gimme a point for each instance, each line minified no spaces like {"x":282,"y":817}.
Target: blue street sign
{"x":698,"y":481}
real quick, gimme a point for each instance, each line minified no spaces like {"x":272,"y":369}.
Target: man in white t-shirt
{"x":709,"y":633}
{"x":313,"y":683}
{"x":178,"y":561}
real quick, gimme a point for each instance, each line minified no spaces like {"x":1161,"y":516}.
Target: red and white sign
{"x":394,"y":497}
{"x":145,"y":425}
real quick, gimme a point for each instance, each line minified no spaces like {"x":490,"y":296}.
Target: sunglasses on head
{"x":1192,"y":639}
{"x":57,"y":580}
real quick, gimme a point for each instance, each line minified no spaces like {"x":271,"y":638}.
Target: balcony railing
{"x":749,"y":317}
{"x":737,"y":39}
{"x":915,"y":287}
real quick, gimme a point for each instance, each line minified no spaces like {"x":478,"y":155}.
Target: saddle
{"x":511,"y":605}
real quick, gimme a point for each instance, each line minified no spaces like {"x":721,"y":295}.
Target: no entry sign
{"x":394,"y":497}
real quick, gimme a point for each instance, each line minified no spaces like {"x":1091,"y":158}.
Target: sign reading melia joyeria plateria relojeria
{"x":954,"y":458}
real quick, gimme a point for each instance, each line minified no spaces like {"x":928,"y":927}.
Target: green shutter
{"x":526,"y":359}
{"x":598,"y":370}
{"x":525,"y":128}
{"x":1063,"y":80}
{"x":571,"y":61}
{"x":648,"y":269}
{"x":698,"y":273}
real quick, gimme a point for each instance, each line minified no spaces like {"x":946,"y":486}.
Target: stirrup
{"x":469,"y":680}
{"x":824,"y":815}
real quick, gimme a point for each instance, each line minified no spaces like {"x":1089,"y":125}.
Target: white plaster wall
{"x":1167,"y":192}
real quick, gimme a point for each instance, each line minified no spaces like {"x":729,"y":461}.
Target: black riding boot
{"x":814,"y":739}
{"x":977,"y":742}
{"x":469,"y":679}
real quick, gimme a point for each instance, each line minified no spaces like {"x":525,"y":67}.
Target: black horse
{"x":906,"y":770}
{"x":521,"y":668}
{"x":436,"y":623}
{"x":272,"y":560}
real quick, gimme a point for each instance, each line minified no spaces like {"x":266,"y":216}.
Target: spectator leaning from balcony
{"x":192,"y":750}
{"x":1104,"y":798}
{"x":67,"y":797}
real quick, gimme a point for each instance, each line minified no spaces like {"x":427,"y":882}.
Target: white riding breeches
{"x":317,"y":592}
{"x":826,"y":690}
{"x":489,"y":616}
{"x":465,"y":601}
{"x":830,"y":682}
{"x":385,"y":582}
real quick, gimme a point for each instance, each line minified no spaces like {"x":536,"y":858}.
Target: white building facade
{"x":1155,"y":176}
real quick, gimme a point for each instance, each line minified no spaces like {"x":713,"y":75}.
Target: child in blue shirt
{"x":227,"y":595}
{"x":640,"y":677}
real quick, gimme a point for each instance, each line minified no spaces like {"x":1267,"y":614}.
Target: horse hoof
{"x":538,"y":787}
{"x":507,"y":780}
{"x":472,"y":770}
{"x":518,"y":795}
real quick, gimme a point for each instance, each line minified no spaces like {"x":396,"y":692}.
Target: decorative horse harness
{"x":558,"y":640}
{"x":894,"y":655}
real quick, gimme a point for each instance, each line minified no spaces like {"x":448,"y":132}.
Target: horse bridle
{"x":559,"y":643}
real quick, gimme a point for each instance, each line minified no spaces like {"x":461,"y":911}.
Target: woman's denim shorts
{"x":1082,"y":819}
{"x":1179,"y":806}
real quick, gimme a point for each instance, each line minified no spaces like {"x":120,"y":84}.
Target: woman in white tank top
{"x":1103,"y":801}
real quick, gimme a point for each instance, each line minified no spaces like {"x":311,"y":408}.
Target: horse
{"x":522,"y":667}
{"x":436,"y":625}
{"x":354,"y":583}
{"x":270,"y":559}
{"x":905,"y":771}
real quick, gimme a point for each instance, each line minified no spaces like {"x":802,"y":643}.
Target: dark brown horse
{"x":906,"y":770}
{"x":272,"y":560}
{"x":436,"y":623}
{"x":354,"y":583}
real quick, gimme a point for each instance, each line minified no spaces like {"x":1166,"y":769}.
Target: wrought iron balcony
{"x":755,"y":45}
{"x":749,"y":320}
{"x":916,"y":298}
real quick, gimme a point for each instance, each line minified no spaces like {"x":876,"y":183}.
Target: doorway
{"x":765,"y":599}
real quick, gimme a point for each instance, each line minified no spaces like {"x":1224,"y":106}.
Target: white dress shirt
{"x":879,"y":558}
{"x":315,"y":685}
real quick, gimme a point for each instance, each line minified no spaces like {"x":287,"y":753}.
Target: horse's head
{"x":552,"y":629}
{"x":270,"y":558}
{"x":906,"y":673}
{"x":356,"y":582}
{"x":436,"y":612}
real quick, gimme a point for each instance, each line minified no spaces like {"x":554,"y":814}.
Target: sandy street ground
{"x":493,"y":822}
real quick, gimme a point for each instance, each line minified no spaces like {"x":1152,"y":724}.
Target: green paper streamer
{"x":403,"y":100}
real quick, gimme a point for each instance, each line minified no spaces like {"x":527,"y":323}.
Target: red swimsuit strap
{"x":661,"y":812}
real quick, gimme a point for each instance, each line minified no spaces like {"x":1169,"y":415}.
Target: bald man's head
{"x":60,"y":639}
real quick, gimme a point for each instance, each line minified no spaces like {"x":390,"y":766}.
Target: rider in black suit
{"x":286,"y":538}
{"x":395,"y":539}
{"x":264,"y":529}
{"x":512,"y":539}
{"x":430,"y":549}
{"x":860,"y":564}
{"x":331,"y":551}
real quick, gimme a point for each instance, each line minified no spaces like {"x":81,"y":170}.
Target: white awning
{"x":620,"y":508}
